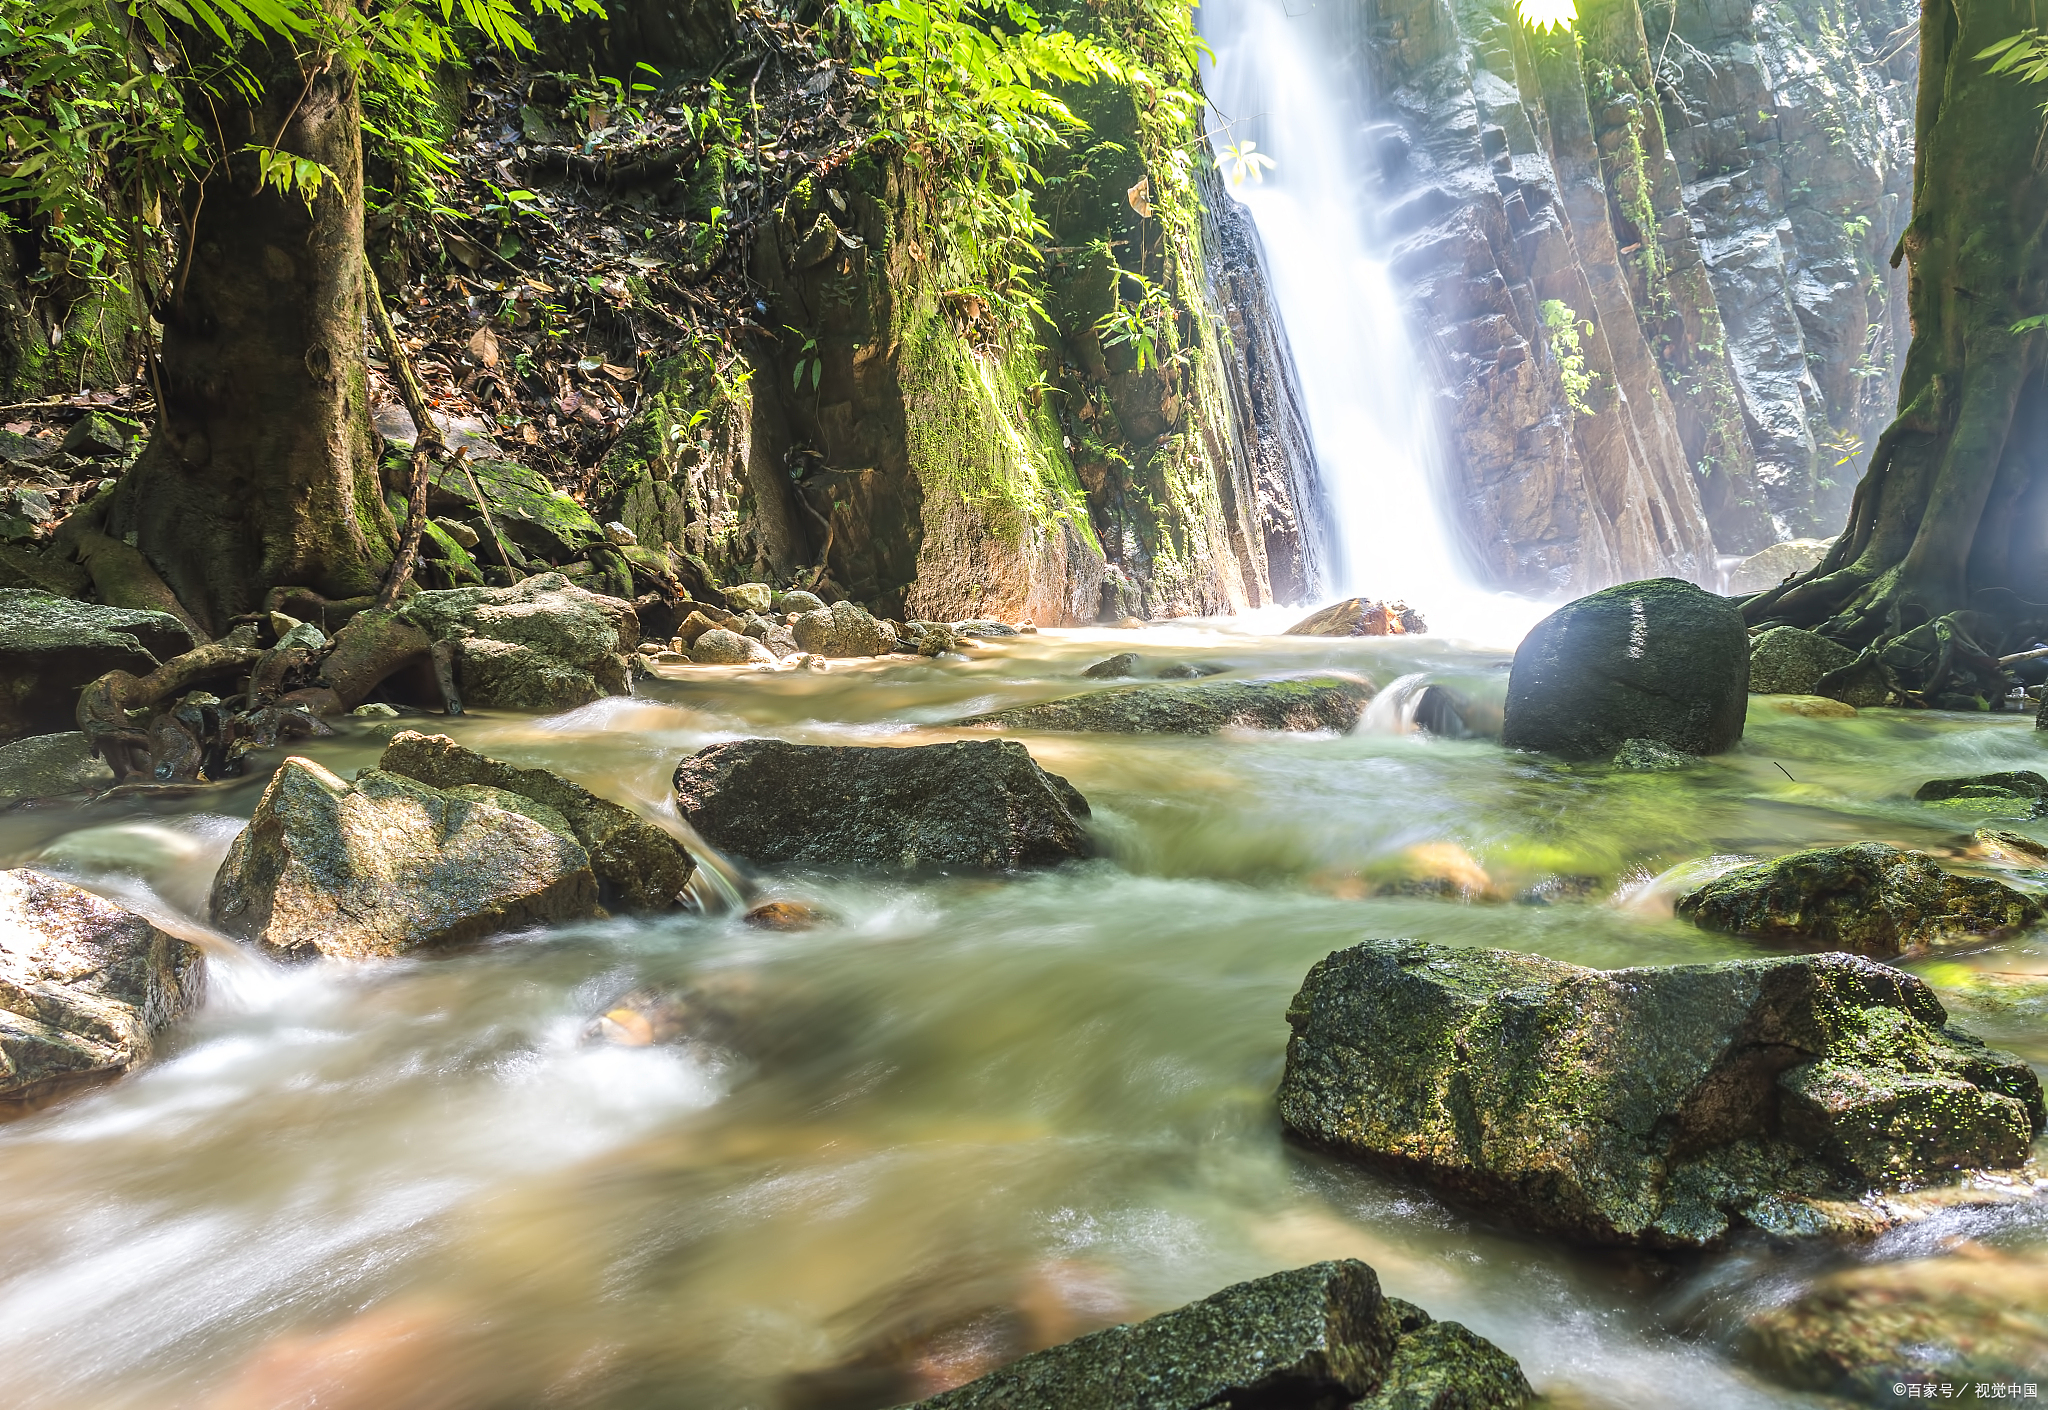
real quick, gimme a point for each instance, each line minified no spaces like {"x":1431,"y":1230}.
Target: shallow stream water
{"x":962,"y":1119}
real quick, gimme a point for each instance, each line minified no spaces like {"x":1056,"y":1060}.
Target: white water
{"x":1289,"y":76}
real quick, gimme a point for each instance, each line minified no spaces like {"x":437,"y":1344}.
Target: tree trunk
{"x":261,"y":472}
{"x":1951,"y":517}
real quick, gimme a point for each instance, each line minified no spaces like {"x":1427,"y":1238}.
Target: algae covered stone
{"x":1304,"y":703}
{"x":1869,"y":897}
{"x":1324,"y":1335}
{"x":1659,"y":660}
{"x":1791,"y":661}
{"x":1649,"y":1106}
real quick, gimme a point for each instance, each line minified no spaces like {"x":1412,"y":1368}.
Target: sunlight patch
{"x":1548,"y":14}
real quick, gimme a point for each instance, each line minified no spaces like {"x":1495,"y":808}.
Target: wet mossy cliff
{"x":1691,"y":204}
{"x":887,"y":430}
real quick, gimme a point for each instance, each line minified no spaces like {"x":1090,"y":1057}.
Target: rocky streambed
{"x":837,"y":1136}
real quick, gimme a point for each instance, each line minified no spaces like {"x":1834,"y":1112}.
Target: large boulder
{"x":1869,"y":897}
{"x":843,"y":629}
{"x":1764,"y":570}
{"x":1324,"y":1335}
{"x":50,"y":766}
{"x":1791,"y":661}
{"x":1649,"y":1106}
{"x":981,"y":805}
{"x":1305,"y":703}
{"x":1361,"y":616}
{"x":51,"y":647}
{"x":719,"y":647}
{"x":387,"y":864}
{"x":637,"y":865}
{"x":86,"y":987}
{"x":541,"y":644}
{"x":1659,"y":660}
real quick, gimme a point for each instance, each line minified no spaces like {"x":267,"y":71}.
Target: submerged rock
{"x":1111,"y":668}
{"x":85,"y":986}
{"x":637,"y":865}
{"x":1324,"y":1335}
{"x":1647,"y":756}
{"x":51,"y":647}
{"x":1791,"y":661}
{"x":1649,"y":1106}
{"x":843,"y":629}
{"x":979,"y":805}
{"x":1869,"y":897}
{"x":1361,"y":616}
{"x":1658,"y":660}
{"x":1306,"y":703}
{"x":50,"y":766}
{"x":388,"y":864}
{"x":541,"y":644}
{"x":2023,"y":787}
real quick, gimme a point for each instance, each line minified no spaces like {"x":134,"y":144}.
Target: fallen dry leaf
{"x":483,"y":346}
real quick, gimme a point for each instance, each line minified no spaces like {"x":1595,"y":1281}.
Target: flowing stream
{"x":964,"y":1118}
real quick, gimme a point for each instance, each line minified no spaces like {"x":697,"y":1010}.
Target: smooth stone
{"x":50,"y":766}
{"x":719,"y":647}
{"x":1869,"y":897}
{"x":750,"y":597}
{"x":1361,"y":616}
{"x":977,"y":805}
{"x":1653,"y":1106}
{"x":1305,"y":703}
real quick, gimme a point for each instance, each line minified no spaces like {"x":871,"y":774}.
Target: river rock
{"x":50,"y":766}
{"x":1869,"y":897}
{"x":51,"y":647}
{"x":795,"y":604}
{"x":976,"y":805}
{"x":1764,"y":570}
{"x":1361,"y":616}
{"x":932,"y":638}
{"x":1659,"y":660}
{"x":1649,"y":1106}
{"x":843,"y":629}
{"x":719,"y":647}
{"x":1324,"y":1335}
{"x":1791,"y":661}
{"x":1974,"y":1316}
{"x":388,"y":864}
{"x":1647,"y":756}
{"x":750,"y":597}
{"x":86,"y":986}
{"x":1304,"y":703}
{"x":2023,"y":788}
{"x":541,"y":644}
{"x":638,"y":866}
{"x":1118,"y":667}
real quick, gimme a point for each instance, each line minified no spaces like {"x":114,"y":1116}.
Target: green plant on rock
{"x":1562,"y":327}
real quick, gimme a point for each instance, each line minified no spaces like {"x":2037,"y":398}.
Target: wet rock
{"x":1869,"y":897}
{"x":932,"y":638}
{"x":1324,"y":1335}
{"x":1185,"y":671}
{"x":2022,"y":787}
{"x":86,"y":986}
{"x":985,"y":627}
{"x":637,"y":865}
{"x":783,"y":915}
{"x":1361,"y":616}
{"x":541,"y":644}
{"x":1974,"y":1316}
{"x":719,"y":647}
{"x":1812,"y":707}
{"x":795,"y":604}
{"x":750,"y":597}
{"x":1117,"y":667}
{"x":1659,"y":660}
{"x":386,"y":865}
{"x":51,"y":647}
{"x":1657,"y":1106}
{"x":980,"y":805}
{"x":1305,"y":703}
{"x":843,"y":629}
{"x":1791,"y":661}
{"x":1647,"y":756}
{"x":50,"y":766}
{"x":1764,"y":570}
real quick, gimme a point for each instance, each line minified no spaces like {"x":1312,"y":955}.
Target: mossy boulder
{"x":977,"y":805}
{"x":1305,"y":703}
{"x":2021,"y":793}
{"x":541,"y":644}
{"x":1324,"y":1335}
{"x":1869,"y":897}
{"x":51,"y":647}
{"x":637,"y":865}
{"x":1659,"y":660}
{"x":1791,"y":661}
{"x":530,"y":511}
{"x":1660,"y":1107}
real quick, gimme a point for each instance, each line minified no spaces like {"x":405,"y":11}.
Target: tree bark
{"x":261,"y":472}
{"x":1952,"y":514}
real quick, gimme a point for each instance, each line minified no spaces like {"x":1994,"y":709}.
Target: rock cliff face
{"x":1645,"y":257}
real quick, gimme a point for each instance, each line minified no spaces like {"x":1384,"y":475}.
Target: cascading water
{"x":1289,"y":79}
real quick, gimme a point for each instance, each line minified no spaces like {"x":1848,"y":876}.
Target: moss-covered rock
{"x":2021,"y":791}
{"x":1306,"y":703}
{"x":541,"y":644}
{"x":1324,"y":1335}
{"x":1869,"y":897}
{"x":1648,"y":1106}
{"x":1659,"y":660}
{"x":531,"y":512}
{"x":50,"y":647}
{"x":1791,"y":661}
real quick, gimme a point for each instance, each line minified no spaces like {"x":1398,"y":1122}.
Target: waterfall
{"x":1289,"y":77}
